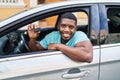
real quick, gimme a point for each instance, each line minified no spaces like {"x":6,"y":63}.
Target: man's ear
{"x":58,"y":27}
{"x":76,"y":28}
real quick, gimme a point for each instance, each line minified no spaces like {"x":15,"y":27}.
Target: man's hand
{"x":32,"y":34}
{"x":53,"y":46}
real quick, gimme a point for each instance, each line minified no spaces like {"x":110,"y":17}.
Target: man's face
{"x":67,"y":27}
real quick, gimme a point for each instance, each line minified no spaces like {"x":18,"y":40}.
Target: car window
{"x":113,"y":15}
{"x":16,"y":42}
{"x":49,"y":24}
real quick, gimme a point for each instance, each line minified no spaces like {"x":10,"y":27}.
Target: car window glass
{"x":113,"y":15}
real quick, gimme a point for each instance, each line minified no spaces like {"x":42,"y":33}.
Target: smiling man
{"x":75,"y":44}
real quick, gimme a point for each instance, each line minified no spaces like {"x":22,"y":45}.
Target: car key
{"x":37,"y":29}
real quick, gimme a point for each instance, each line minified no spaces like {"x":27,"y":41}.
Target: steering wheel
{"x":22,"y":36}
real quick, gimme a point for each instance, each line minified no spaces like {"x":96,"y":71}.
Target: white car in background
{"x":101,"y":24}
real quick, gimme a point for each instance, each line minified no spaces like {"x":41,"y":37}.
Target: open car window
{"x":16,"y":42}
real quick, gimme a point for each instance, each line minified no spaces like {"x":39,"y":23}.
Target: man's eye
{"x":63,"y":25}
{"x":71,"y":27}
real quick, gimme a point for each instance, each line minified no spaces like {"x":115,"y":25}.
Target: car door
{"x":50,"y":65}
{"x":110,"y":45}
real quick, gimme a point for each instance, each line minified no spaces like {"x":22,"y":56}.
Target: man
{"x":67,"y":39}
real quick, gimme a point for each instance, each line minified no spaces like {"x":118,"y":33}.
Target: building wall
{"x":7,"y":12}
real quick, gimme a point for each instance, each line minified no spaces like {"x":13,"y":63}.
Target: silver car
{"x":100,"y":20}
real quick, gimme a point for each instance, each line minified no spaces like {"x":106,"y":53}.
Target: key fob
{"x":37,"y":29}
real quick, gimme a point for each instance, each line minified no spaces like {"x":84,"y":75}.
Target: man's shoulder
{"x":79,"y":32}
{"x":54,"y":33}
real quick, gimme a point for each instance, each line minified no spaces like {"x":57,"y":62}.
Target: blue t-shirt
{"x":55,"y":37}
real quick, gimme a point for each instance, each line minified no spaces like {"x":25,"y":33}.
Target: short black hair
{"x":69,"y":15}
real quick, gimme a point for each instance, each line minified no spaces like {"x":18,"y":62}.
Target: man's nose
{"x":66,"y":28}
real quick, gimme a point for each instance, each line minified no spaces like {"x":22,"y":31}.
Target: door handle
{"x":79,"y":75}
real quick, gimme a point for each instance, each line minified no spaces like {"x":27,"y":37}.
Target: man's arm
{"x":82,"y":52}
{"x":34,"y":46}
{"x":32,"y":38}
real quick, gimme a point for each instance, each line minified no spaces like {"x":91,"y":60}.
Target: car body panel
{"x":110,"y":62}
{"x":41,"y":63}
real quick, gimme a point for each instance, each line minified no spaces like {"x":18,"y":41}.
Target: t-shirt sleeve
{"x":81,"y":36}
{"x":45,"y":41}
{"x":52,"y":37}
